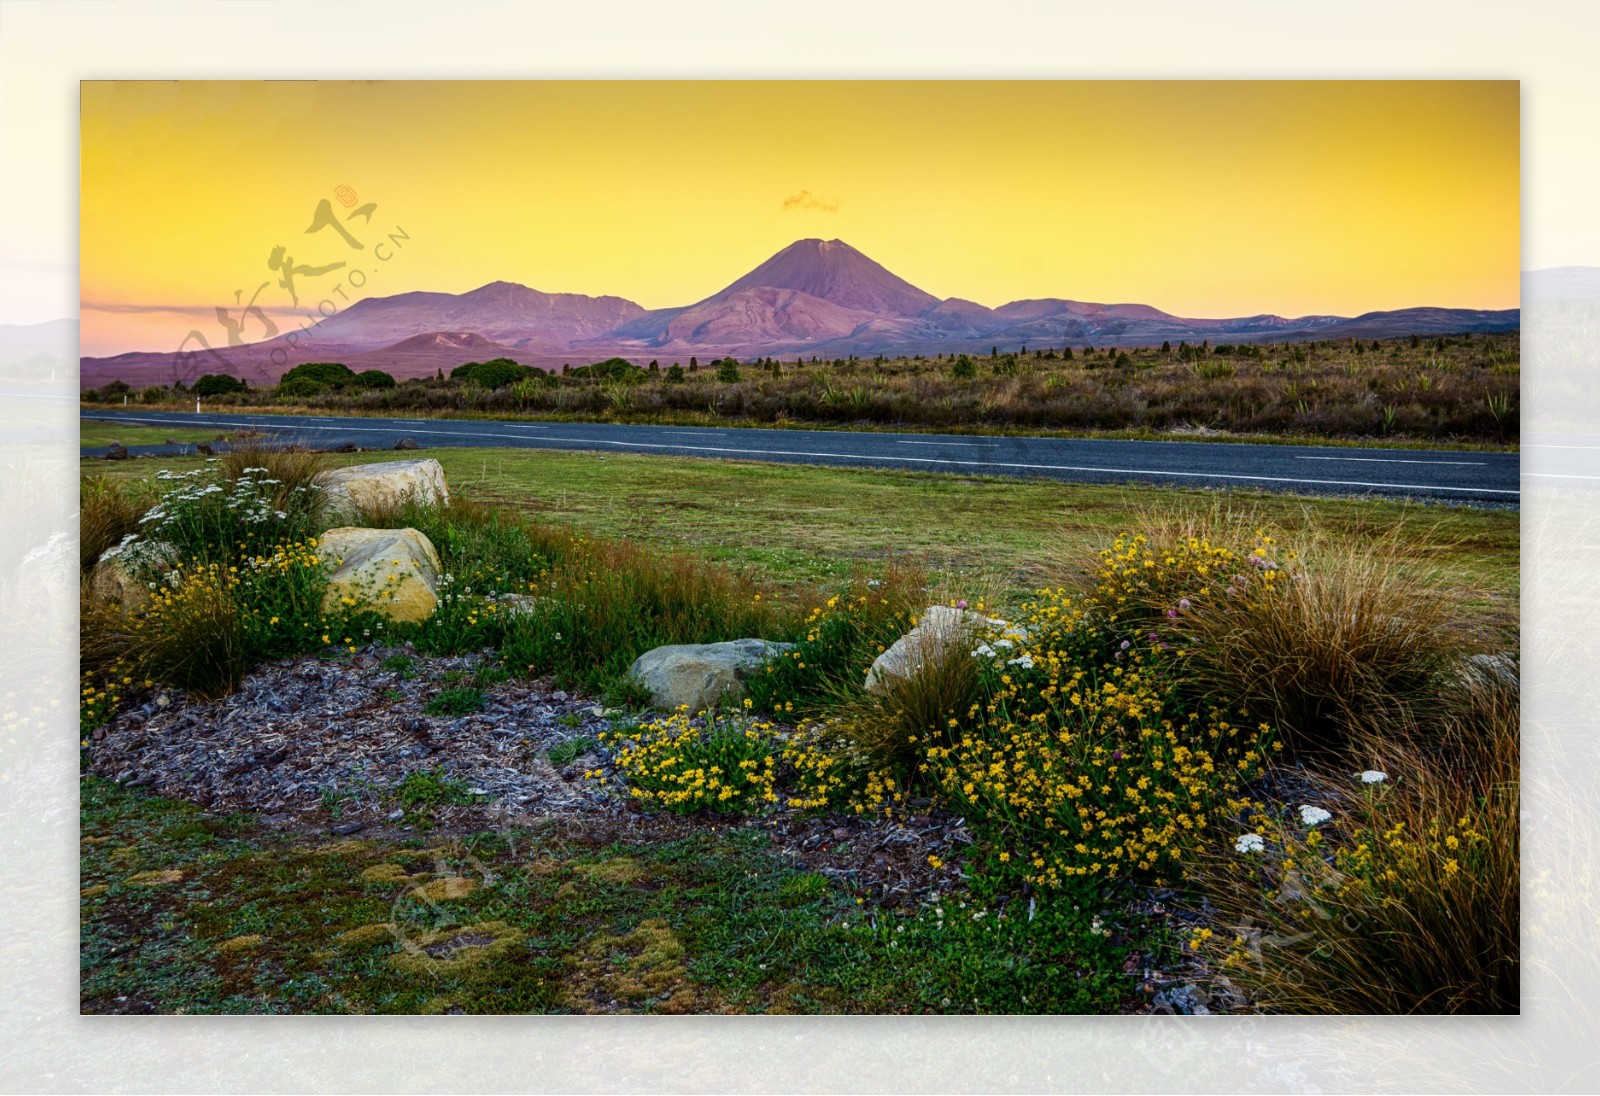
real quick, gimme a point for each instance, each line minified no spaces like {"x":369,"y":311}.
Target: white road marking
{"x":968,"y":444}
{"x":867,"y":457}
{"x":1398,"y":460}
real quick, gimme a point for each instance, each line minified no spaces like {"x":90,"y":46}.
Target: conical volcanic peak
{"x":833,"y":271}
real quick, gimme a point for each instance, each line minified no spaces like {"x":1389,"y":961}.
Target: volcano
{"x":814,"y":297}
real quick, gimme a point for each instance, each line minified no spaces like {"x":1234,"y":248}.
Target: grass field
{"x":802,"y":524}
{"x":94,"y":435}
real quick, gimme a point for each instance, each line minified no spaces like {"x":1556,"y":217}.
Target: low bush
{"x":838,"y":642}
{"x":1080,"y":774}
{"x":719,"y":762}
{"x":1324,"y":647}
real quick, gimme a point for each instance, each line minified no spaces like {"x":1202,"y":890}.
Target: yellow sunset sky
{"x":1204,"y":199}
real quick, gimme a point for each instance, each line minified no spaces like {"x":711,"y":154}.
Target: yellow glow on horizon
{"x":1205,"y":199}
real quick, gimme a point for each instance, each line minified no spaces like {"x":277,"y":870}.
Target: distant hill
{"x":814,"y":297}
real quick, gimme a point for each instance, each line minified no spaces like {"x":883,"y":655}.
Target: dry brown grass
{"x":1411,"y":903}
{"x":108,"y":510}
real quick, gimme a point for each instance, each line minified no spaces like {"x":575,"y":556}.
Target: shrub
{"x":728,"y":371}
{"x":290,"y":473}
{"x":295,"y":388}
{"x":492,"y":374}
{"x":330,"y":374}
{"x":613,"y":370}
{"x":720,"y":763}
{"x":372,"y":378}
{"x":191,"y":636}
{"x":1081,"y":773}
{"x":1341,"y":641}
{"x":218,"y":384}
{"x":893,"y":727}
{"x":208,"y":515}
{"x":839,"y":641}
{"x":963,"y":369}
{"x":825,"y":770}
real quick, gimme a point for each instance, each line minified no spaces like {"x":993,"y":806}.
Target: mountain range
{"x":815,"y":297}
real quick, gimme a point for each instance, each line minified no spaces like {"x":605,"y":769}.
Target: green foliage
{"x":612,"y":371}
{"x":401,"y":664}
{"x":108,"y":510}
{"x":455,"y":702}
{"x":722,"y":924}
{"x":206,"y":515}
{"x":218,"y":384}
{"x":330,"y":374}
{"x":840,"y":640}
{"x":963,"y":369}
{"x":422,"y":793}
{"x":299,"y":388}
{"x":492,"y":374}
{"x":728,"y":371}
{"x":569,"y":750}
{"x":719,"y":763}
{"x":372,"y":378}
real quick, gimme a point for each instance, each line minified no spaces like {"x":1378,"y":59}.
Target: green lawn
{"x":803,"y":524}
{"x":93,"y":435}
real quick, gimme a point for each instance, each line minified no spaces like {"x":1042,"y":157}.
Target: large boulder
{"x":394,"y":571}
{"x":113,"y":579}
{"x":940,"y":627}
{"x":702,"y":675}
{"x":349,"y":492}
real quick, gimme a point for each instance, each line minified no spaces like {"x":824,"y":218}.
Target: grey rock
{"x":701,"y":676}
{"x":940,"y":627}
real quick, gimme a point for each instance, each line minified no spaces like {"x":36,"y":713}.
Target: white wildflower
{"x":1373,"y":776}
{"x":1026,"y":662}
{"x":1251,"y":842}
{"x":1313,"y":816}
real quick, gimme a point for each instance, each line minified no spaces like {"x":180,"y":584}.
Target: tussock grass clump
{"x":290,"y":471}
{"x":1406,"y":899}
{"x":602,"y":605}
{"x":108,"y":510}
{"x":1323,"y":640}
{"x":1347,"y":640}
{"x":893,"y":726}
{"x":192,"y":637}
{"x":555,"y":601}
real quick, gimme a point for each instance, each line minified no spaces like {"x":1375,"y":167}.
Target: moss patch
{"x":452,"y":952}
{"x":450,"y":888}
{"x":618,"y":871}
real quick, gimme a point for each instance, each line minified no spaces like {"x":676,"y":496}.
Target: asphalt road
{"x":1450,"y":476}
